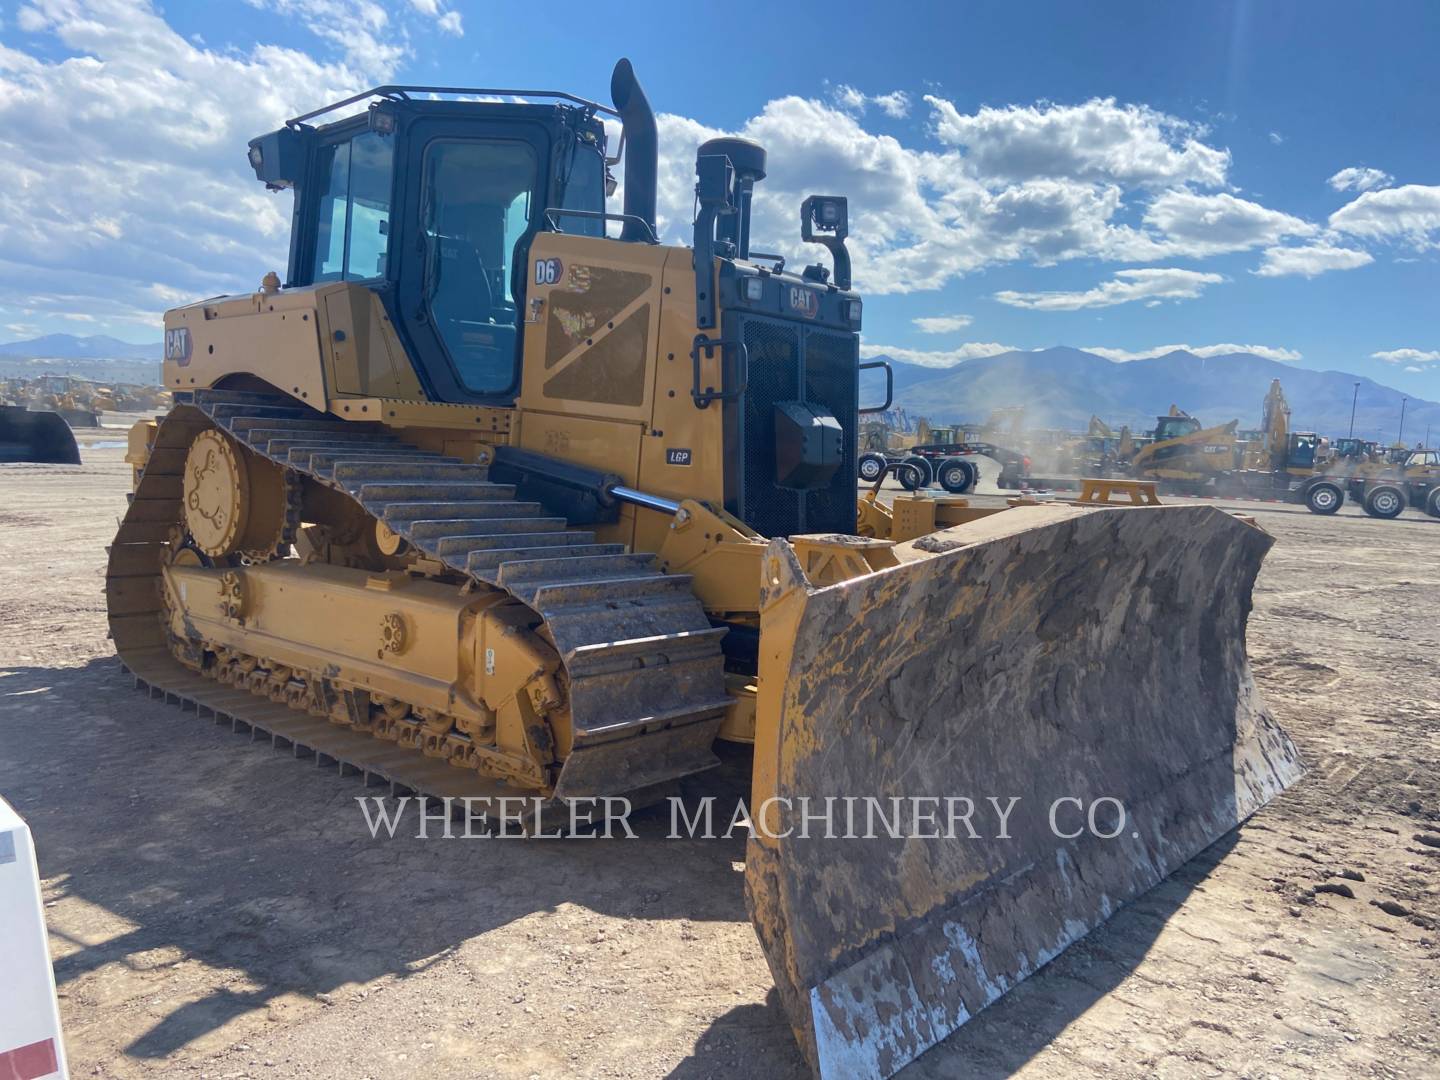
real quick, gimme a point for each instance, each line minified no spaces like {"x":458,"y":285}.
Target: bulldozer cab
{"x":433,"y":204}
{"x":1175,"y":427}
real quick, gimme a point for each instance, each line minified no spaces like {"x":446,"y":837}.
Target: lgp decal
{"x":803,"y":301}
{"x":177,"y":345}
{"x":548,"y":271}
{"x":676,"y":455}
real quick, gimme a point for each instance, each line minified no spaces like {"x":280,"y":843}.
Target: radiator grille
{"x":793,"y":362}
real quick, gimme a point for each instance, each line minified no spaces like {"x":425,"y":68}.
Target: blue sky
{"x":1124,"y":177}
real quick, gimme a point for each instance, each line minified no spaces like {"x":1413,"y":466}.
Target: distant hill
{"x":1062,"y":387}
{"x":71,"y":347}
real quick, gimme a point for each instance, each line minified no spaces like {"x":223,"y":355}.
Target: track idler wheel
{"x":235,"y":502}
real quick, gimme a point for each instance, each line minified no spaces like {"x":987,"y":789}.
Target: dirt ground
{"x":218,"y":909}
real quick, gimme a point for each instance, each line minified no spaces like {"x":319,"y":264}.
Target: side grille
{"x":790,"y":362}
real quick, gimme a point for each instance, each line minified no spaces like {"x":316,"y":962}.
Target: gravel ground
{"x":218,"y":909}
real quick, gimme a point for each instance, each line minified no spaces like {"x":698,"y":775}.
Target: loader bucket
{"x":1044,"y":654}
{"x":36,"y":436}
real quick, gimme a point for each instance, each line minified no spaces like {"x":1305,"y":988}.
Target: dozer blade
{"x":1051,"y":655}
{"x":36,"y":436}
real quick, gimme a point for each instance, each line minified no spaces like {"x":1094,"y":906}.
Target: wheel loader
{"x":485,"y":501}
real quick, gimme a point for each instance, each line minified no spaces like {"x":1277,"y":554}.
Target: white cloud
{"x":920,"y":218}
{"x":1126,"y":287}
{"x":128,"y":189}
{"x":1410,"y":213}
{"x":115,"y":107}
{"x":895,"y":104}
{"x":1269,"y":352}
{"x":447,"y":21}
{"x":1311,"y":261}
{"x":1409,"y":356}
{"x":848,"y":98}
{"x":941,"y":324}
{"x":1097,"y":141}
{"x":30,"y":20}
{"x":360,"y":28}
{"x":1199,"y":225}
{"x":1360,"y":179}
{"x":935,"y":358}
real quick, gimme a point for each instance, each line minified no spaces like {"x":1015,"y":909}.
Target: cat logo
{"x":803,"y":301}
{"x":177,"y":345}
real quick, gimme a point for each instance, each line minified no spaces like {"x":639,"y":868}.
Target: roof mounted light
{"x":382,"y":120}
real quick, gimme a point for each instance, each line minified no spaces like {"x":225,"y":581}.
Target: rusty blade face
{"x":1045,"y":661}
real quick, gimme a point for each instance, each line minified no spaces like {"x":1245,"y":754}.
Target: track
{"x":644,"y":666}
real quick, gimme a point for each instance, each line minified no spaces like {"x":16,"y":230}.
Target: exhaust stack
{"x":641,"y":149}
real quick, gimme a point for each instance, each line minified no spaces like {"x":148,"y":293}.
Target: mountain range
{"x":73,"y":347}
{"x":1063,"y":387}
{"x":1059,"y":387}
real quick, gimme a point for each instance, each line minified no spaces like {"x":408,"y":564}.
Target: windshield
{"x":478,"y":205}
{"x":1173,"y":427}
{"x":584,"y":189}
{"x":353,"y":224}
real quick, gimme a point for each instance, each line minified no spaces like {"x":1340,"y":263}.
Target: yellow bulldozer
{"x":485,"y":502}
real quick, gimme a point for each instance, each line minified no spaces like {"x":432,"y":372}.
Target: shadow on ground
{"x":200,"y":846}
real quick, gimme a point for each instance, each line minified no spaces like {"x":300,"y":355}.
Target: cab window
{"x":353,"y":220}
{"x":478,"y":203}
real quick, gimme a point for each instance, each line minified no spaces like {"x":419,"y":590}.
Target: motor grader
{"x":483,"y":501}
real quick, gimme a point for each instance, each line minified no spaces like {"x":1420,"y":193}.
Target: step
{"x":397,"y":513}
{"x":221,"y":413}
{"x":656,"y":719}
{"x":334,"y":465}
{"x":373,"y":495}
{"x":555,"y":595}
{"x":596,"y":658}
{"x":321,"y":461}
{"x":317,"y":423}
{"x":597,"y":568}
{"x":278,"y":442}
{"x":283,"y":449}
{"x":354,"y":475}
{"x":422,"y":532}
{"x":502,"y":532}
{"x":486,"y":564}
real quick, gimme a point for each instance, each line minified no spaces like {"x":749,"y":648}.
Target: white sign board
{"x":30,"y":1046}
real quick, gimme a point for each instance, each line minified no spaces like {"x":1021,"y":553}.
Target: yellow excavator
{"x":482,"y":502}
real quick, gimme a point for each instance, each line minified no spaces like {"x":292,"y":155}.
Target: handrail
{"x":396,"y":92}
{"x":650,"y":237}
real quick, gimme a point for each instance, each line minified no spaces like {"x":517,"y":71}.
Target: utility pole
{"x":1353,"y":402}
{"x":1401,"y":437}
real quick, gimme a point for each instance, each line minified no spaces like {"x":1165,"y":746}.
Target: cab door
{"x":476,"y":192}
